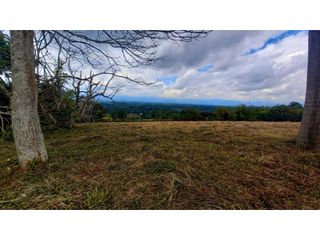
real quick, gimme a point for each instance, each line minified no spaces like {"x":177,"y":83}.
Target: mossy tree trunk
{"x":309,"y":135}
{"x":26,"y":127}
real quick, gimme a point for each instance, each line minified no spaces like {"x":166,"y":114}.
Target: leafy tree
{"x":284,"y":113}
{"x":295,"y":105}
{"x":224,"y":114}
{"x":261,"y":113}
{"x":119,"y":115}
{"x":98,"y":112}
{"x":190,"y":114}
{"x":155,"y":114}
{"x":205,"y":115}
{"x":242,"y":113}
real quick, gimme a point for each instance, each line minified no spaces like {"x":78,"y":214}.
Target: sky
{"x":253,"y":67}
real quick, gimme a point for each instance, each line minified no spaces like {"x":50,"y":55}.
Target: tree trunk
{"x":309,"y":135}
{"x":26,"y":127}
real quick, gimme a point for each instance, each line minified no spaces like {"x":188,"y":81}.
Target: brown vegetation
{"x":166,"y":165}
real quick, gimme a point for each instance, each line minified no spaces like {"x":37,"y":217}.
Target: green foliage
{"x":133,"y":117}
{"x":4,"y":53}
{"x":162,"y":114}
{"x":295,"y":105}
{"x":119,"y":115}
{"x":204,"y":115}
{"x":285,"y":113}
{"x":223,"y":114}
{"x":55,"y":105}
{"x":190,"y":114}
{"x":98,"y":199}
{"x":107,"y":118}
{"x":98,"y":112}
{"x":292,"y":112}
{"x":243,"y":113}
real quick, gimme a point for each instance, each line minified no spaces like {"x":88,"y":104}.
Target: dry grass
{"x":166,"y":165}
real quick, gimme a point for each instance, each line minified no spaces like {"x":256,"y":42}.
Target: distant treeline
{"x":147,"y":107}
{"x":291,"y":112}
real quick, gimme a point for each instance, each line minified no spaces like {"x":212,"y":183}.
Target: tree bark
{"x":309,"y":135}
{"x":26,"y":127}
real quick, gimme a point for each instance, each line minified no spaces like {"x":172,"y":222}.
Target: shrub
{"x":284,"y":113}
{"x":133,"y":116}
{"x":98,"y":112}
{"x":190,"y":114}
{"x":224,"y":114}
{"x":55,"y":106}
{"x":119,"y":115}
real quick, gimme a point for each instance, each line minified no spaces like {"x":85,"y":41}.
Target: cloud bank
{"x":234,"y":65}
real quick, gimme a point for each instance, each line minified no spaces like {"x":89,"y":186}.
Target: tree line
{"x":291,"y":113}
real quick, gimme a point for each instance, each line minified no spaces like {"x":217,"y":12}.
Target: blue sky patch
{"x":168,"y":79}
{"x":273,"y":40}
{"x":205,"y":68}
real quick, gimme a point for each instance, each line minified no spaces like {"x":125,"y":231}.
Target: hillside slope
{"x":166,"y":165}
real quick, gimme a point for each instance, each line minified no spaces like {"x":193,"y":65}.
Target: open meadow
{"x":165,"y":165}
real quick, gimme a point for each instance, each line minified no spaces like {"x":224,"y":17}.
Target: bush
{"x":243,"y":113}
{"x":223,"y":114}
{"x":98,"y":112}
{"x":284,"y":113}
{"x":55,"y":106}
{"x":190,"y":114}
{"x":292,"y":112}
{"x":133,"y":117}
{"x":205,"y":116}
{"x":119,"y":115}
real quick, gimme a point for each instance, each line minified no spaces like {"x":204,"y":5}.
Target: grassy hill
{"x":166,"y":165}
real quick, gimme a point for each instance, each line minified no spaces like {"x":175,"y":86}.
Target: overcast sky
{"x":229,"y":65}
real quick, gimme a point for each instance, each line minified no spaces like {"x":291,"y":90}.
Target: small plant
{"x":98,"y":199}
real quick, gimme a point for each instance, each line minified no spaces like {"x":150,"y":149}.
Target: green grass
{"x":165,"y":165}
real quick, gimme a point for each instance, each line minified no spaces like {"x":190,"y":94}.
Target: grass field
{"x":166,"y":165}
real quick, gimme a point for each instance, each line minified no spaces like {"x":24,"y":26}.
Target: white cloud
{"x":276,"y":73}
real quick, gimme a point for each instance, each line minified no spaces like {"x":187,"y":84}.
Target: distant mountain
{"x":212,"y":102}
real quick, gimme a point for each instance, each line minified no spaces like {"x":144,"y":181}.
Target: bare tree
{"x":309,"y":134}
{"x":81,"y":48}
{"x":26,"y":128}
{"x":97,"y":50}
{"x":86,"y":91}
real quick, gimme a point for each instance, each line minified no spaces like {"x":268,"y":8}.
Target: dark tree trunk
{"x":309,"y":135}
{"x":26,"y":127}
